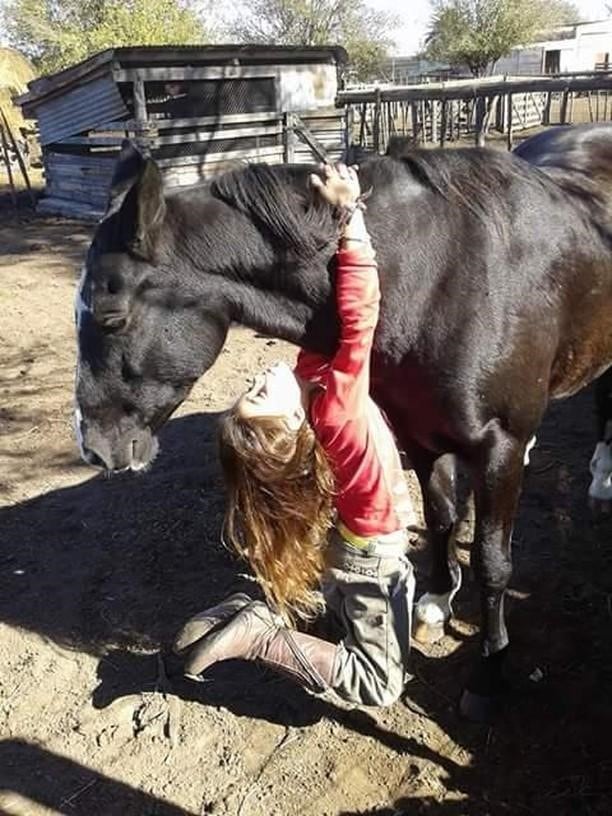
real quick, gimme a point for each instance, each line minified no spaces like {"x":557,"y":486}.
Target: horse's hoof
{"x":427,"y":633}
{"x":431,"y":614}
{"x":170,"y":666}
{"x":478,"y":707}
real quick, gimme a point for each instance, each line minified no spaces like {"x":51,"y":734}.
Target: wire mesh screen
{"x":210,"y":97}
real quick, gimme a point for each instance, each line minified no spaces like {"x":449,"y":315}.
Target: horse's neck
{"x":270,"y":311}
{"x":296,"y":310}
{"x":261,"y":290}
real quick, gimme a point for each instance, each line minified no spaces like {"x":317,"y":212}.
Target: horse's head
{"x":142,"y":340}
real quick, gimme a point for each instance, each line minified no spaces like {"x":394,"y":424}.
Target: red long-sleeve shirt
{"x":372,"y":498}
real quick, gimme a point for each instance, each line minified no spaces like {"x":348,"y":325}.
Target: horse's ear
{"x":142,"y":211}
{"x":137,"y":196}
{"x":127,"y":169}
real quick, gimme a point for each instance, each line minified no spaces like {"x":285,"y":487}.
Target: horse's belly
{"x":412,"y":408}
{"x":579,"y":361}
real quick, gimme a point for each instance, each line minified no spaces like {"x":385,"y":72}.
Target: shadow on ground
{"x":76,"y":789}
{"x":113,"y":567}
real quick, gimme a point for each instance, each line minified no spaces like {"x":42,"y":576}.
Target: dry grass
{"x":15,"y":73}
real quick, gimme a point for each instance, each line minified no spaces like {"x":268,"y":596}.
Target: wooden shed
{"x":198,"y":109}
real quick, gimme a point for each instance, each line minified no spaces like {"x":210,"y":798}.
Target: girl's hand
{"x":339,"y":185}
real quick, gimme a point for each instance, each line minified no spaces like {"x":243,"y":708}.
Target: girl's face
{"x":275,"y":393}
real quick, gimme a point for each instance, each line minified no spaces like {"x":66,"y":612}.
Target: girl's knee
{"x":372,"y":690}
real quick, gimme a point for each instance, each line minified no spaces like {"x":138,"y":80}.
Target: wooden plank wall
{"x":78,"y":170}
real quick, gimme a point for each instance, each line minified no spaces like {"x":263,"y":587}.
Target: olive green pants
{"x":371,"y":595}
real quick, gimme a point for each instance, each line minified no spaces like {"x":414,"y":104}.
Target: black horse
{"x":497,"y":292}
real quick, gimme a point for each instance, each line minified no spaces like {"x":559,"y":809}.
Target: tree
{"x":365,"y":32}
{"x":476,"y":33}
{"x":57,"y":33}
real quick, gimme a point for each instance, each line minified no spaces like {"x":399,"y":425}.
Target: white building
{"x":580,"y":47}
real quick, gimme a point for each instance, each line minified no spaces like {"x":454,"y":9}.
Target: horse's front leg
{"x":437,"y":477}
{"x":600,"y":489}
{"x":498,"y":471}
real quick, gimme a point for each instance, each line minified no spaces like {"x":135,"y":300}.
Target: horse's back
{"x":579,"y":159}
{"x":567,"y":146}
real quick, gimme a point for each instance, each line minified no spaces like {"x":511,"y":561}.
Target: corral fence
{"x":473,"y":109}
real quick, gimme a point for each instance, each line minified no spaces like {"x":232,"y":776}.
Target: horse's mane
{"x":279,"y":200}
{"x":476,"y":181}
{"x":471,"y":179}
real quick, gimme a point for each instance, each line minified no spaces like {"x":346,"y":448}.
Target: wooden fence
{"x":471,"y":109}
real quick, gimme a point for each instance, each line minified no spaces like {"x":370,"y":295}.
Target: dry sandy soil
{"x":96,"y":573}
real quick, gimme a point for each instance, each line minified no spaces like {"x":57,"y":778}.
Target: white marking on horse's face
{"x":528,"y":448}
{"x":78,"y":432}
{"x":432,"y":609}
{"x":80,"y":304}
{"x":80,"y":307}
{"x":600,"y":488}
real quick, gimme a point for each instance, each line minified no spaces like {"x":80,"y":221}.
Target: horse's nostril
{"x":93,"y":458}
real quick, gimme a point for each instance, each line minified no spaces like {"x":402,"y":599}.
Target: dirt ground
{"x":96,"y":573}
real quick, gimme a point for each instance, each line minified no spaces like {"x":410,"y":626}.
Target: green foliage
{"x":58,"y":33}
{"x":364,"y":32}
{"x":476,"y":33}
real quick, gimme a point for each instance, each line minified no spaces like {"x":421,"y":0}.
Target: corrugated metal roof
{"x":79,"y":109}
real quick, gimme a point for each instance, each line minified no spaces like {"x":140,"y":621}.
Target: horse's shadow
{"x":113,"y":567}
{"x":121,"y":561}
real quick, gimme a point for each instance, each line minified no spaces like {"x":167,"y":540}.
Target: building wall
{"x":307,"y":87}
{"x":528,"y":60}
{"x":580,"y":52}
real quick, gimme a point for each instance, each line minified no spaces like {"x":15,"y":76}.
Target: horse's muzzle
{"x":131,"y":451}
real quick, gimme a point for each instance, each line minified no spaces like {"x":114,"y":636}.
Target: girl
{"x":316,"y":496}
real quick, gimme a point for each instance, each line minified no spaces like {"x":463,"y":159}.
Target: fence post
{"x":349,"y":124}
{"x":564,"y":101}
{"x":362,"y":125}
{"x":415,"y":121}
{"x":20,"y":159}
{"x":546,"y":116}
{"x":288,"y":139}
{"x":510,"y":117}
{"x":444,"y":105}
{"x":480,"y":121}
{"x":9,"y":169}
{"x":590,"y":104}
{"x":434,"y":121}
{"x":376,"y":128}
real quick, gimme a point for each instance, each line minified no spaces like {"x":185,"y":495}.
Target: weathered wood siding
{"x":195,"y":116}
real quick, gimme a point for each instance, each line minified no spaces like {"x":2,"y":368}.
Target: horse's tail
{"x":579,"y":159}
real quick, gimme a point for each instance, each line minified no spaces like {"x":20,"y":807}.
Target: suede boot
{"x":255,"y":633}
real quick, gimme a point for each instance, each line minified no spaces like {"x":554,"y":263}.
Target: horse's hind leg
{"x":437,"y":477}
{"x":498,"y":471}
{"x":600,"y":489}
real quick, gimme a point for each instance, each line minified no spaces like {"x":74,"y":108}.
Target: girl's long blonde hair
{"x":279,"y":506}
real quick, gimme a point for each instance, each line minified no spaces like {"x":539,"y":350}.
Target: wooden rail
{"x":449,"y":111}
